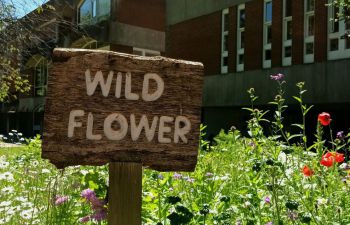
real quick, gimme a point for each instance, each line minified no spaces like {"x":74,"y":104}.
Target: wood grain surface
{"x":67,"y":91}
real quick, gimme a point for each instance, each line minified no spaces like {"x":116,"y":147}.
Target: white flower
{"x":7,"y":190}
{"x":45,"y":171}
{"x":8,"y":176}
{"x":5,"y":203}
{"x":11,"y":134}
{"x":4,"y":164}
{"x":246,"y":204}
{"x":26,"y":214}
{"x":35,"y":163}
{"x":27,"y":204}
{"x":21,"y":199}
{"x":322,"y":201}
{"x":5,"y":220}
{"x":84,"y":172}
{"x":14,"y":131}
{"x":20,"y":134}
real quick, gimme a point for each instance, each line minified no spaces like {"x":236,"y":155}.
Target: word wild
{"x":129,"y":124}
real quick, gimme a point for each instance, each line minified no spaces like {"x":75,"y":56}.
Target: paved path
{"x":8,"y":145}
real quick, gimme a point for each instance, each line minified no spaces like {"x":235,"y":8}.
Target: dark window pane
{"x":242,"y":39}
{"x":309,"y":48}
{"x":289,"y":30}
{"x":311,"y":23}
{"x":335,"y":27}
{"x":347,"y":43}
{"x":225,"y":61}
{"x":334,"y":44}
{"x":288,"y":8}
{"x":268,"y":11}
{"x":268,"y":54}
{"x":226,"y":22}
{"x":310,"y":5}
{"x":242,"y":18}
{"x":269,"y":34}
{"x":225,"y":43}
{"x":241,"y":59}
{"x":288,"y":51}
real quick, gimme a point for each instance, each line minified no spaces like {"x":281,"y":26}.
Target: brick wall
{"x":147,"y":14}
{"x":276,"y":29}
{"x":253,"y":35}
{"x":321,"y":31}
{"x":298,"y":31}
{"x":232,"y":38}
{"x":197,"y":39}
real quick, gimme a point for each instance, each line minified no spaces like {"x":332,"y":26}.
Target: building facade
{"x":242,"y":43}
{"x":129,"y":26}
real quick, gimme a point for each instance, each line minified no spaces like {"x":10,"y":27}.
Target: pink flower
{"x":277,"y":77}
{"x":60,"y":200}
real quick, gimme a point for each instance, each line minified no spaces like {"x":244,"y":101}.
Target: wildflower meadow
{"x":268,"y":177}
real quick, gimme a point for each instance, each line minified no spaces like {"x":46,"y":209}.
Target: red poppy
{"x":324,"y":118}
{"x":330,"y":157}
{"x":307,"y":171}
{"x":328,"y":162}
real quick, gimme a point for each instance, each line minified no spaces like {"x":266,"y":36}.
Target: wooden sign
{"x":105,"y":107}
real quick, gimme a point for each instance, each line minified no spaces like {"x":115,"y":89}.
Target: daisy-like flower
{"x":26,"y":214}
{"x":8,"y":176}
{"x":7,"y":190}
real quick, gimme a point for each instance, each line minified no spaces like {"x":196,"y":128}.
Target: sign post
{"x":129,"y":111}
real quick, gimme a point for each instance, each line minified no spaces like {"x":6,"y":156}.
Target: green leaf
{"x":298,"y":99}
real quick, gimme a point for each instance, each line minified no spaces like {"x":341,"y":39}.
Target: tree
{"x":23,"y":34}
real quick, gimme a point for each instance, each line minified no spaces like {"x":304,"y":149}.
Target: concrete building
{"x":129,"y":26}
{"x":242,"y":43}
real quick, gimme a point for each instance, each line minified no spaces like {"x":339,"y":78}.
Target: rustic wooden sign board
{"x":105,"y":107}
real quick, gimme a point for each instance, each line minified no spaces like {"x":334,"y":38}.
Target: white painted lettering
{"x":143,"y":124}
{"x":180,"y":132}
{"x":72,"y":123}
{"x":118,"y":85}
{"x":128,"y":94}
{"x":164,"y":129}
{"x":148,"y":97}
{"x":90,"y":126}
{"x":92,"y":85}
{"x":115,"y":135}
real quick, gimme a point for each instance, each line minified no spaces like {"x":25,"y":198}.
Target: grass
{"x":12,"y":151}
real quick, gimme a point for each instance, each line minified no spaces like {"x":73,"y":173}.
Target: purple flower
{"x":209,"y":174}
{"x":160,"y":176}
{"x":189,"y":180}
{"x":85,"y":219}
{"x":277,"y":77}
{"x":340,"y":135}
{"x":177,"y":176}
{"x":60,"y":200}
{"x":267,"y":200}
{"x":269,"y":223}
{"x":100,"y":215}
{"x":88,"y":194}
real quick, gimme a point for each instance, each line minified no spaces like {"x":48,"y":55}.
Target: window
{"x":240,"y":37}
{"x":267,"y":35}
{"x":338,"y":34}
{"x":40,"y":77}
{"x":93,"y":11}
{"x":287,"y":33}
{"x":309,"y":31}
{"x":145,"y":52}
{"x":224,"y":41}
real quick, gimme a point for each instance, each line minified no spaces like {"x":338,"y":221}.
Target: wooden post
{"x":125,"y":190}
